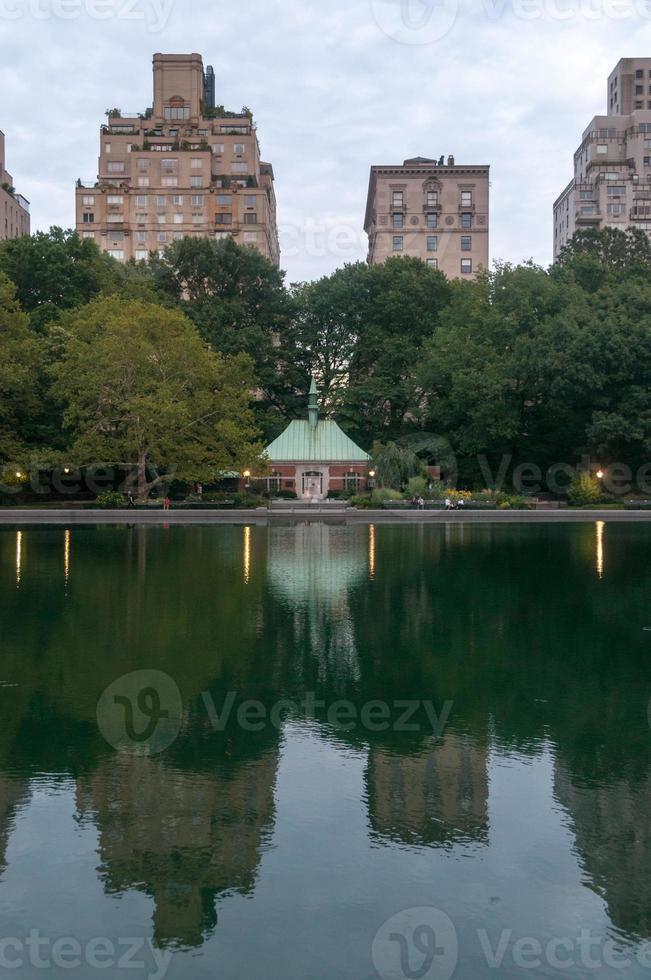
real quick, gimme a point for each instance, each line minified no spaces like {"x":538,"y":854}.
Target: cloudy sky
{"x":335,"y":87}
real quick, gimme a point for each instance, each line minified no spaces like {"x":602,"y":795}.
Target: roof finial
{"x":312,"y":405}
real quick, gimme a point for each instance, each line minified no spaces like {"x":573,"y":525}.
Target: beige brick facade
{"x":14,"y":208}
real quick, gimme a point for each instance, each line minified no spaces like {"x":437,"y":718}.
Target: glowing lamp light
{"x":247,"y":473}
{"x":600,"y":474}
{"x":371,"y":474}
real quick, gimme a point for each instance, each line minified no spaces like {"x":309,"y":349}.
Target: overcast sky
{"x":335,"y":87}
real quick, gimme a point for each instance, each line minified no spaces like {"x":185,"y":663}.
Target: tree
{"x":396,"y":465}
{"x":19,"y":366}
{"x":238,"y":302}
{"x":56,"y":270}
{"x":142,"y":391}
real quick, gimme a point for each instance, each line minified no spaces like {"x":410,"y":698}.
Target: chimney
{"x":450,"y":161}
{"x":313,"y":409}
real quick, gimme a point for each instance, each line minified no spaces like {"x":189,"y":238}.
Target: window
{"x":432,"y":243}
{"x":398,"y":199}
{"x":160,"y":201}
{"x":177,"y":112}
{"x":88,"y":234}
{"x":198,"y":219}
{"x":143,"y":181}
{"x":466,"y":266}
{"x":432,"y":220}
{"x":115,"y":167}
{"x":169,"y":165}
{"x":238,"y":168}
{"x":196,"y":181}
{"x":466,"y":220}
{"x":225,"y":218}
{"x":178,"y":219}
{"x":169,"y":181}
{"x":141,"y":200}
{"x":351,"y":481}
{"x":88,"y":202}
{"x":250,"y":218}
{"x":116,"y":253}
{"x":115,"y":199}
{"x":434,"y":263}
{"x":142,"y":255}
{"x":197,"y":200}
{"x":466,"y":199}
{"x":218,"y":148}
{"x":115,"y":218}
{"x":602,"y":148}
{"x":141,"y":236}
{"x":219,"y":235}
{"x":398,"y":242}
{"x":107,"y":147}
{"x":610,"y":176}
{"x":196,"y":164}
{"x":177,"y":200}
{"x":239,"y":148}
{"x":89,"y":218}
{"x":162,"y":237}
{"x":615,"y":210}
{"x":177,"y":236}
{"x":224,"y":199}
{"x":432,"y":199}
{"x":161,"y":219}
{"x":639,"y":73}
{"x":143,"y":164}
{"x":250,"y":200}
{"x":614,"y":190}
{"x":398,"y":219}
{"x":466,"y":243}
{"x":250,"y":236}
{"x":639,"y":89}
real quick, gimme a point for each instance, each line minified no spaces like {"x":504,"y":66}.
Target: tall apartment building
{"x":14,"y":208}
{"x":431,"y":210}
{"x":611,"y":186}
{"x":182,"y":168}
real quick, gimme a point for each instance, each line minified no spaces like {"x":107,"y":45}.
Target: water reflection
{"x":511,"y":624}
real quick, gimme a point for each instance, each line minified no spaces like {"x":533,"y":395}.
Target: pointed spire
{"x":312,"y":405}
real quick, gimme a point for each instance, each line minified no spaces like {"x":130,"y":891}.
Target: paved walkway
{"x":158,"y":517}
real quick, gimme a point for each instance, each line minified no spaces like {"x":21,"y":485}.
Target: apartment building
{"x":185,"y":167}
{"x":14,"y":208}
{"x":611,"y":186}
{"x":434,"y":210}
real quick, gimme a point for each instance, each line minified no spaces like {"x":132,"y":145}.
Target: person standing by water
{"x":167,"y":503}
{"x":130,"y":501}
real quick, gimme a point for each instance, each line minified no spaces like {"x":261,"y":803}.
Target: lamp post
{"x":247,"y":477}
{"x":371,"y":479}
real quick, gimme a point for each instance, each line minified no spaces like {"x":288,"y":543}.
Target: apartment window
{"x":466,"y":266}
{"x":639,"y":105}
{"x":141,"y":236}
{"x":466,"y":220}
{"x":432,"y":243}
{"x":115,"y":218}
{"x":223,"y":199}
{"x":250,"y":200}
{"x":115,"y":199}
{"x":398,"y":199}
{"x":225,"y":218}
{"x":197,"y":200}
{"x":89,"y":218}
{"x":639,"y":89}
{"x":141,"y":200}
{"x":178,"y":219}
{"x":398,"y":243}
{"x":466,"y":243}
{"x":115,"y":167}
{"x":432,"y":220}
{"x":218,"y":148}
{"x":220,"y":235}
{"x":143,"y":164}
{"x":177,"y":236}
{"x":169,"y":181}
{"x":88,"y":234}
{"x":143,"y":181}
{"x":639,"y":73}
{"x":588,"y":209}
{"x":107,"y":147}
{"x":432,"y":199}
{"x":466,"y":199}
{"x":250,"y":236}
{"x":88,"y":202}
{"x":196,"y":163}
{"x":116,"y":253}
{"x":602,"y":149}
{"x":585,"y":195}
{"x":611,"y":176}
{"x":196,"y":181}
{"x":142,"y":255}
{"x":398,"y":220}
{"x":177,"y":200}
{"x":434,"y":263}
{"x":616,"y":210}
{"x":239,"y":148}
{"x":250,"y":218}
{"x":169,"y":165}
{"x":162,"y":237}
{"x":161,"y":219}
{"x":238,"y":168}
{"x":615,"y":190}
{"x":198,"y":219}
{"x":177,"y":112}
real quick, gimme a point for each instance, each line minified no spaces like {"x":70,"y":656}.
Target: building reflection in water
{"x":438,"y":795}
{"x":183,"y":837}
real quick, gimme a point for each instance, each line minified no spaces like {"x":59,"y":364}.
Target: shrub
{"x":418,"y":486}
{"x":360,"y":500}
{"x":110,"y":500}
{"x":384,"y":493}
{"x":285,"y":495}
{"x":584,"y":489}
{"x":245,"y":500}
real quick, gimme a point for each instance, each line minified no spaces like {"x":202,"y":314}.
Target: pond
{"x":325,"y":752}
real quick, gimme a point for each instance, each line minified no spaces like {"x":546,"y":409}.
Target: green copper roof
{"x":323,"y":443}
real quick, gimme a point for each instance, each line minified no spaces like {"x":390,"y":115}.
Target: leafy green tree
{"x":237,"y":300}
{"x":56,"y":270}
{"x":142,"y":391}
{"x":19,"y":368}
{"x":395,"y":465}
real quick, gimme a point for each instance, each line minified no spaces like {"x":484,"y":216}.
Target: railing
{"x":88,"y":184}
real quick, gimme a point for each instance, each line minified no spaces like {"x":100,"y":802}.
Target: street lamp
{"x":600,"y":474}
{"x":371,"y":478}
{"x":247,"y":477}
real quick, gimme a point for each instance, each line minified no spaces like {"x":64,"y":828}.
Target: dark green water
{"x":508,"y":815}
